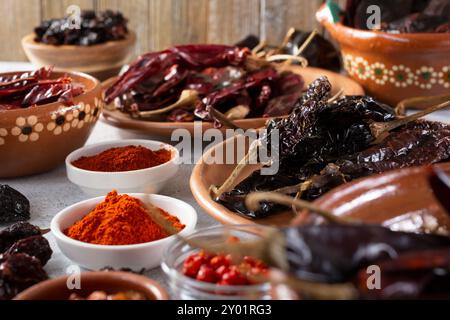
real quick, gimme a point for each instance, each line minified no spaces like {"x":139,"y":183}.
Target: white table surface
{"x":51,"y":192}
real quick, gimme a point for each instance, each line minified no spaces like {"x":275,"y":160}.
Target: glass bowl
{"x":186,"y":288}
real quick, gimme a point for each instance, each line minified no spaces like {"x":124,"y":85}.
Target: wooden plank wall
{"x":161,"y":23}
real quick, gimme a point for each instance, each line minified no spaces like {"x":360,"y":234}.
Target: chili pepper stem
{"x":336,"y":96}
{"x":187,"y":98}
{"x":307,"y":42}
{"x":228,"y":183}
{"x":379,"y":128}
{"x":219,"y":116}
{"x":253,"y":200}
{"x":401,"y":107}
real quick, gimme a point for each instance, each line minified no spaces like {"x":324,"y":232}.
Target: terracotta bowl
{"x":393,"y":67}
{"x":405,"y":193}
{"x":101,"y":61}
{"x":110,"y":282}
{"x":37,"y":139}
{"x":402,"y":200}
{"x":165,"y":128}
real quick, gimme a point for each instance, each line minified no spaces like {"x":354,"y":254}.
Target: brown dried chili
{"x":124,"y":159}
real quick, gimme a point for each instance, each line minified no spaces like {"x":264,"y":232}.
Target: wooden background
{"x":161,"y":23}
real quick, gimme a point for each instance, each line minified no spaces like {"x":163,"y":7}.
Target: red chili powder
{"x":124,"y":159}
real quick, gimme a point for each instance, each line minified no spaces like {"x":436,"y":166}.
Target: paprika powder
{"x":120,"y":220}
{"x":126,"y":158}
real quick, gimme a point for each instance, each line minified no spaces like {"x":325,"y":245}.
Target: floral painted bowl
{"x":393,"y":67}
{"x":37,"y":139}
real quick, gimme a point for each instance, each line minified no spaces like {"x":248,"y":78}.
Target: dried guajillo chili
{"x":120,"y":220}
{"x":324,"y":144}
{"x":36,"y":88}
{"x":124,"y":159}
{"x":186,"y":82}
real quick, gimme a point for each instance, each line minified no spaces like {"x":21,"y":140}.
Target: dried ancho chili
{"x":124,"y":159}
{"x":14,"y":206}
{"x":120,"y":220}
{"x":324,"y":144}
{"x":23,"y":253}
{"x":95,"y":28}
{"x":29,"y":89}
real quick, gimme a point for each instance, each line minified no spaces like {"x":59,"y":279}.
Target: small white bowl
{"x":97,"y":183}
{"x":135,"y":256}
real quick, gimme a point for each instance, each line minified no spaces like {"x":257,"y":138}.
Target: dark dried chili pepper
{"x":35,"y":246}
{"x":95,"y":28}
{"x":16,"y":232}
{"x":14,"y":206}
{"x":422,"y":274}
{"x":18,"y":272}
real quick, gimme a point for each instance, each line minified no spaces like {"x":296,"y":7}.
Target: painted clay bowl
{"x":101,"y":60}
{"x":109,"y":282}
{"x":37,"y":139}
{"x":165,"y":128}
{"x":393,"y":67}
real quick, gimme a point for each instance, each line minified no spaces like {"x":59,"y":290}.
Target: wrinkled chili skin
{"x":18,"y":272}
{"x":35,"y":246}
{"x":334,"y":253}
{"x":16,"y":232}
{"x":14,"y":206}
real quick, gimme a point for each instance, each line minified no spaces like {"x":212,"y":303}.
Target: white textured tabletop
{"x":51,"y":192}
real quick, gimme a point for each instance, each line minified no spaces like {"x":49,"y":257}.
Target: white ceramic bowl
{"x":96,"y":183}
{"x":135,"y":256}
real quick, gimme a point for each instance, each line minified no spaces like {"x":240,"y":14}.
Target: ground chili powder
{"x":120,"y":220}
{"x":124,"y":159}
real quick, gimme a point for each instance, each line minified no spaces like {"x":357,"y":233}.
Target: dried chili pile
{"x":185,"y":82}
{"x":94,"y":28}
{"x":124,"y":159}
{"x":120,"y":220}
{"x":28,"y":89}
{"x":23,"y":253}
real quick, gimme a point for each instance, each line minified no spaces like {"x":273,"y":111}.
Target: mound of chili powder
{"x":120,"y":220}
{"x":124,"y":159}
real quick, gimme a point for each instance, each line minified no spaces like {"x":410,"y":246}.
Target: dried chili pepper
{"x":418,"y":274}
{"x":325,"y":144}
{"x":18,"y":272}
{"x":36,"y":88}
{"x":95,"y":28}
{"x":14,"y":206}
{"x":221,"y":76}
{"x":16,"y":232}
{"x":35,"y":246}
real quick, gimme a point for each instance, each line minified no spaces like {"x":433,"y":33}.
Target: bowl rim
{"x":428,"y":39}
{"x":135,"y":142}
{"x":151,"y":286}
{"x":28,"y":41}
{"x":59,"y":234}
{"x":206,"y":285}
{"x":48,"y":107}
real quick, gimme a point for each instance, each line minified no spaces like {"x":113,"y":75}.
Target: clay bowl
{"x":122,"y":120}
{"x":391,"y":66}
{"x":110,"y":282}
{"x":401,"y":193}
{"x":37,"y":139}
{"x":402,"y":200}
{"x":101,"y":61}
